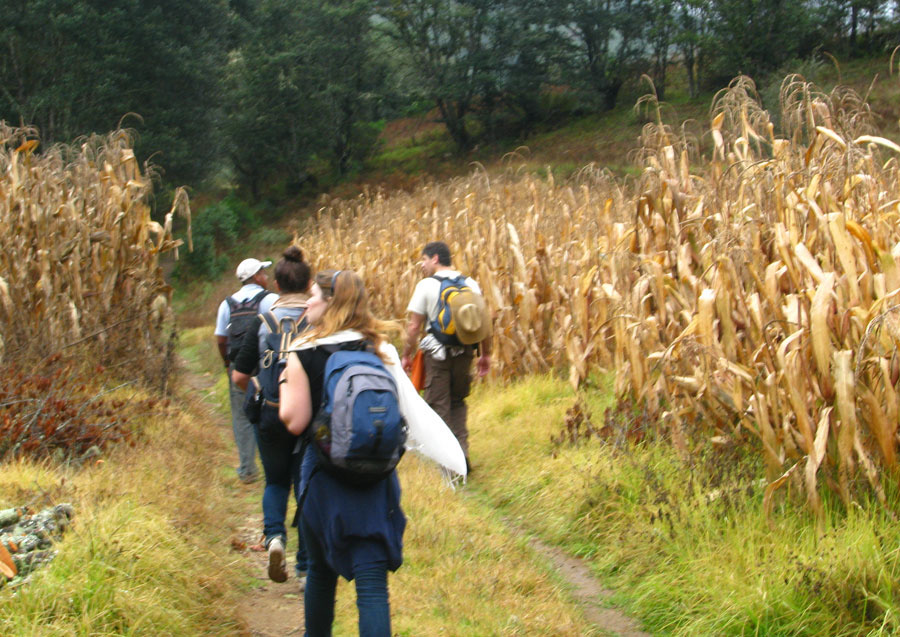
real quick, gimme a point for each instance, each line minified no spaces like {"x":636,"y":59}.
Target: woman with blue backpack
{"x":256,"y":369}
{"x":336,"y":393}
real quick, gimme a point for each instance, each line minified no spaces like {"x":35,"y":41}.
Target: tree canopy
{"x":269,"y":90}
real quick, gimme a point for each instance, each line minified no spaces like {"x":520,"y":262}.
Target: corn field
{"x":747,"y":282}
{"x":79,"y":253}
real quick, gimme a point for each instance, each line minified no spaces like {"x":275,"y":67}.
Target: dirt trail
{"x":268,"y":609}
{"x":275,"y":610}
{"x":589,"y":593}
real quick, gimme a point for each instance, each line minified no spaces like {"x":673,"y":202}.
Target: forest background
{"x":280,"y":97}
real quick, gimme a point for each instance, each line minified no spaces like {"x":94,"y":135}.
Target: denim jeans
{"x":318,"y":602}
{"x":244,"y":437}
{"x":282,"y":469}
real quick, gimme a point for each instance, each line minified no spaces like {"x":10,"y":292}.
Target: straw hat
{"x":469,"y":313}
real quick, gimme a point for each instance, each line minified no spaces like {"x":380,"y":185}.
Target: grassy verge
{"x":148,"y":553}
{"x":688,"y":547}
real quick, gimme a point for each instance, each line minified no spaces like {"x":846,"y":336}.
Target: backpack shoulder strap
{"x":450,"y":280}
{"x":232,"y":302}
{"x":260,"y":296}
{"x":271,"y":322}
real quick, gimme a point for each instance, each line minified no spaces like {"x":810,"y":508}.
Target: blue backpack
{"x":359,"y":433}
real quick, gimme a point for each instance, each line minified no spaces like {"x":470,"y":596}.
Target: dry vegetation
{"x":745,"y":284}
{"x":79,"y":254}
{"x":81,"y":289}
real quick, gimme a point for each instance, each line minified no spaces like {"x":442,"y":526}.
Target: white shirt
{"x":427,"y":294}
{"x":247,"y":292}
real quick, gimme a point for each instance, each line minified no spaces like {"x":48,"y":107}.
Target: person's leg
{"x":372,"y":601}
{"x":302,"y":563}
{"x":321,"y":582}
{"x":437,"y":386}
{"x":275,"y":451}
{"x":244,"y":437}
{"x":460,"y":374}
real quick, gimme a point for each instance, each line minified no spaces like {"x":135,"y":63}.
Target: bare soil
{"x":270,"y":609}
{"x":589,"y":593}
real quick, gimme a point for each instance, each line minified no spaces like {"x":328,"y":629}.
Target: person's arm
{"x":248,"y":356}
{"x":222,"y":343}
{"x":484,"y":360}
{"x":295,"y":409}
{"x":413,"y":329}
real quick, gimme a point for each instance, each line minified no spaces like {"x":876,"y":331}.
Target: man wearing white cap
{"x":235,"y":315}
{"x":448,"y":355}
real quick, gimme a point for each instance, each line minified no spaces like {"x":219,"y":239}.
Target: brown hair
{"x":292,"y":272}
{"x":348,"y":308}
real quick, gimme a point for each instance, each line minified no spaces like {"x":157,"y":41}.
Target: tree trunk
{"x":610,"y":94}
{"x":453,"y":116}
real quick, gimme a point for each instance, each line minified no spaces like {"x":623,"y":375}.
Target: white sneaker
{"x":277,"y":565}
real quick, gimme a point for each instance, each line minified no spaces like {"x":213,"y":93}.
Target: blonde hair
{"x":348,"y":308}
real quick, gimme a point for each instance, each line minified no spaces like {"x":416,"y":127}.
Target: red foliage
{"x":51,"y":411}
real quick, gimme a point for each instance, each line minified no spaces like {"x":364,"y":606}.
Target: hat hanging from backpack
{"x":470,"y":316}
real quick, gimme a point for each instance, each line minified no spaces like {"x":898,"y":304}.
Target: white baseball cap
{"x":249,"y":267}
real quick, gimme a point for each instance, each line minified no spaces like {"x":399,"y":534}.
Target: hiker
{"x":277,"y":446}
{"x":448,"y":359}
{"x":352,"y":531}
{"x":235,"y":314}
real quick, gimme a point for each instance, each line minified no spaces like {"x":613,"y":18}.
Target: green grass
{"x":147,"y":553}
{"x":687,"y":547}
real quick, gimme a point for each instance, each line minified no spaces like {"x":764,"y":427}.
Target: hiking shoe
{"x":248,"y":478}
{"x":277,"y":570}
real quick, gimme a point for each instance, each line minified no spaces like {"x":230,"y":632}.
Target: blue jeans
{"x":318,"y":602}
{"x":244,"y":437}
{"x":282,"y":469}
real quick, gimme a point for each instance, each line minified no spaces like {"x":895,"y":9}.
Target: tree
{"x":691,"y":29}
{"x":756,"y":36}
{"x":661,"y":34}
{"x":348,"y":80}
{"x":449,"y":45}
{"x":270,"y":124}
{"x":75,"y":67}
{"x":606,"y":40}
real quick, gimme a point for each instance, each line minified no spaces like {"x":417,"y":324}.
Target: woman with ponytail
{"x":278,"y":448}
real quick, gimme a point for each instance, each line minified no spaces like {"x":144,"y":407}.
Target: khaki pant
{"x":447,"y":384}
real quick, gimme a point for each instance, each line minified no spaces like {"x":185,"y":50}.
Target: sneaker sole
{"x":277,"y":572}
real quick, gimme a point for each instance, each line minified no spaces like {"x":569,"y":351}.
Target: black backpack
{"x":264,"y":390}
{"x":242,"y":315}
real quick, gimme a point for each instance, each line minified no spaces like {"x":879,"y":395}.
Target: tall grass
{"x":687,"y":543}
{"x":147,"y":552}
{"x":745,"y":284}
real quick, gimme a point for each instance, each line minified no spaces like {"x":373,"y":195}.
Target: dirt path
{"x":589,"y":593}
{"x":269,"y":609}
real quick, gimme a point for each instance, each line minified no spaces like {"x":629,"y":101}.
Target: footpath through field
{"x":467,"y":570}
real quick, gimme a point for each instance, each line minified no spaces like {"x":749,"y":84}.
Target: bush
{"x":215,"y":228}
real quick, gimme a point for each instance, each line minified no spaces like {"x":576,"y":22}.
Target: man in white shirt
{"x":448,"y":375}
{"x":234,"y":317}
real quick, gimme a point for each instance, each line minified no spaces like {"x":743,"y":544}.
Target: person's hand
{"x":406,"y":362}
{"x":484,"y":365}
